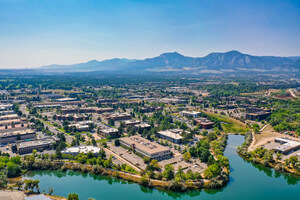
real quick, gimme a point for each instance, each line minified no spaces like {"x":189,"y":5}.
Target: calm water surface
{"x":247,"y":181}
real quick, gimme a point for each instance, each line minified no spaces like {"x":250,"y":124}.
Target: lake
{"x":247,"y":181}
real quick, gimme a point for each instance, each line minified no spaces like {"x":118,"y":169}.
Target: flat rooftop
{"x":172,"y":133}
{"x":190,"y":112}
{"x":286,"y":144}
{"x":13,"y":133}
{"x":144,"y":144}
{"x":109,"y":130}
{"x":36,"y":143}
{"x":81,"y":149}
{"x":8,"y":116}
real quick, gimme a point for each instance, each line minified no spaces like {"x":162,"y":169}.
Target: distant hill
{"x":93,"y":65}
{"x":232,"y":61}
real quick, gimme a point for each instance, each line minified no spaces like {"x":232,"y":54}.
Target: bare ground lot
{"x":266,"y":136}
{"x":11,"y":195}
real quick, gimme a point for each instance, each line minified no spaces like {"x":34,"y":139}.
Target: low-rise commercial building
{"x":74,"y":151}
{"x":8,"y":117}
{"x":193,"y":114}
{"x":82,"y":126}
{"x":131,"y":122}
{"x":39,"y":145}
{"x":146,"y":148}
{"x":117,"y":116}
{"x":5,"y":106}
{"x":107,"y":101}
{"x":6,"y":112}
{"x":254,"y":113}
{"x":86,"y":110}
{"x":56,"y":104}
{"x":13,"y":136}
{"x":286,"y":146}
{"x":109,"y":132}
{"x":143,"y":126}
{"x":172,"y":100}
{"x":147,"y":109}
{"x":204,"y":123}
{"x":173,"y":135}
{"x":70,"y":117}
{"x":66,"y":99}
{"x":227,"y":106}
{"x":11,"y":122}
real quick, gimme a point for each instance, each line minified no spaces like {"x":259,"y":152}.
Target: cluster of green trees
{"x":11,"y":166}
{"x":286,"y":116}
{"x":31,"y":185}
{"x":243,"y":149}
{"x":267,"y":157}
{"x":201,"y":150}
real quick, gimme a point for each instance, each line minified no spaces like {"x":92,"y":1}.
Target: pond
{"x":247,"y":181}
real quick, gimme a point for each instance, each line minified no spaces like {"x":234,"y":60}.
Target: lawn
{"x":229,"y":124}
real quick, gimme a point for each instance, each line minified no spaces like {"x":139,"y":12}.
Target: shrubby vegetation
{"x":286,"y":116}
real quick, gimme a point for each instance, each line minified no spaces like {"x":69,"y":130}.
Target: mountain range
{"x":232,"y":61}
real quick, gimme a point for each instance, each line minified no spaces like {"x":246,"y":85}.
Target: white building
{"x":193,"y":114}
{"x":173,"y":135}
{"x":74,"y":151}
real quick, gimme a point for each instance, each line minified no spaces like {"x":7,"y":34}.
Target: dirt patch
{"x":11,"y":195}
{"x":267,"y":135}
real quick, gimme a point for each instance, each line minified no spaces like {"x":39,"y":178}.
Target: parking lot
{"x":177,"y":160}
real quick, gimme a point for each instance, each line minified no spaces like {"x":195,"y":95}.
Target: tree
{"x":90,"y":154}
{"x":19,"y":184}
{"x":292,"y":160}
{"x":212,"y":170}
{"x":117,"y":142}
{"x":31,"y":184}
{"x":50,"y":191}
{"x":144,"y":181}
{"x":102,"y":154}
{"x":94,"y":142}
{"x":108,"y":163}
{"x":256,"y":128}
{"x":187,"y":156}
{"x":146,"y":159}
{"x":169,"y":172}
{"x":111,"y":122}
{"x":73,"y":196}
{"x":153,"y":165}
{"x":74,"y":143}
{"x":3,"y":180}
{"x":91,"y":126}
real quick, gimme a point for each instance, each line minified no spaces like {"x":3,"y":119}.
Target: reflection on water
{"x":290,"y":179}
{"x":263,"y":182}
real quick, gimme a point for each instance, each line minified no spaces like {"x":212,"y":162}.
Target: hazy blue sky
{"x":41,"y":32}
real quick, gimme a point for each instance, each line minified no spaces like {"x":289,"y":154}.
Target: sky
{"x":34,"y":33}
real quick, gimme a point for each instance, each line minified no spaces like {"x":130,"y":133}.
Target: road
{"x":51,"y":128}
{"x":292,"y":93}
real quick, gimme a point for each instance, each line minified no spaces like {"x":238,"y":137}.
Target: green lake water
{"x":247,"y":182}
